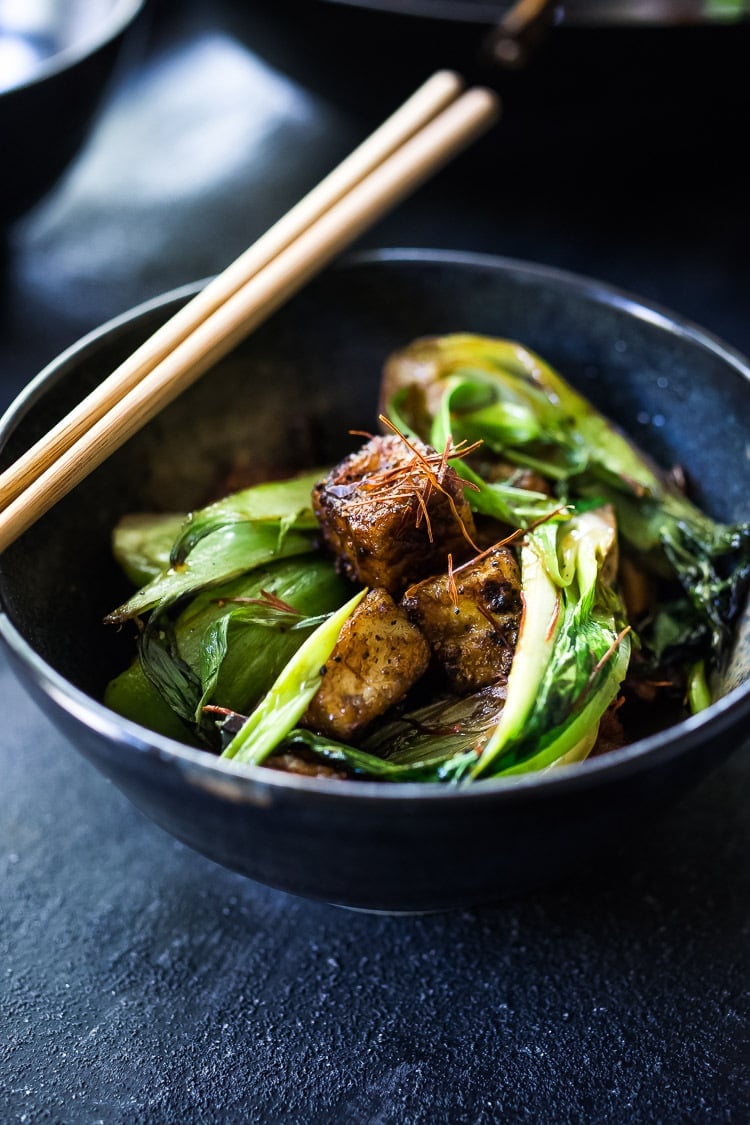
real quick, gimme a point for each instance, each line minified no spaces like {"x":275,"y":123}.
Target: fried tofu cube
{"x":378,"y":657}
{"x":386,"y":519}
{"x":471,"y":619}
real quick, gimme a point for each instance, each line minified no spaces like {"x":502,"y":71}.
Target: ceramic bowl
{"x":55,"y":61}
{"x":291,"y":393}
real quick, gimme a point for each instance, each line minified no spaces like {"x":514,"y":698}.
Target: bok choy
{"x":573,"y":648}
{"x":501,"y":393}
{"x":556,"y":584}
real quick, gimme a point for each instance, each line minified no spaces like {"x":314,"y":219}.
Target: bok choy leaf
{"x":227,"y":553}
{"x":430,"y":765}
{"x":474,"y":387}
{"x":142,"y":544}
{"x":231,"y":537}
{"x":433,"y":743}
{"x":573,"y":648}
{"x":286,"y":501}
{"x":288,"y":697}
{"x":232,"y":642}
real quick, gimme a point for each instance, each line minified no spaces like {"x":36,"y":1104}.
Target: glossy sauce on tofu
{"x":385,"y":520}
{"x":470,"y":618}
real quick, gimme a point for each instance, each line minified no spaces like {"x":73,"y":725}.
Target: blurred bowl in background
{"x":56,"y":57}
{"x":602,"y":109}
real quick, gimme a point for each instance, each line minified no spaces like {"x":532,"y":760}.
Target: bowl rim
{"x":481,"y":13}
{"x":123,"y":13}
{"x":246,"y":782}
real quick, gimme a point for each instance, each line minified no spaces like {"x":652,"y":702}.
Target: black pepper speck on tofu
{"x":472,"y":628}
{"x":378,"y":657}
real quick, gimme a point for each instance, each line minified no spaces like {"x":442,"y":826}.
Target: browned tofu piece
{"x":473,"y":628}
{"x":386,"y":520}
{"x":378,"y":657}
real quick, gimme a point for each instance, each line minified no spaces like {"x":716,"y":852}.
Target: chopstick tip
{"x":487,"y":99}
{"x":451,"y":79}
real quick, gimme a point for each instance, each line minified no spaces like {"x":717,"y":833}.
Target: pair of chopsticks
{"x":431,"y":127}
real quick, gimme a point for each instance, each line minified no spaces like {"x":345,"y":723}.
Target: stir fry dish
{"x":496,"y":582}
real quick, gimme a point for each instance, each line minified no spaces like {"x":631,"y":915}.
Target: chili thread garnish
{"x":452,"y":587}
{"x":487,"y":614}
{"x":553,"y":620}
{"x":513,"y":537}
{"x":394,"y":482}
{"x":268,"y":600}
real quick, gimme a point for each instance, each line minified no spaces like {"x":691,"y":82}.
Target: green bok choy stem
{"x":246,"y":530}
{"x":233,"y":646}
{"x":286,"y":701}
{"x":474,"y":387}
{"x":572,"y":651}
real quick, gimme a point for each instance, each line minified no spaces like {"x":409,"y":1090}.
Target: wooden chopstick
{"x":434,"y":95}
{"x":187,"y":354}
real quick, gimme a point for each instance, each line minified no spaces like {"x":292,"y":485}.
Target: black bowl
{"x":58,"y":60}
{"x":292,"y":392}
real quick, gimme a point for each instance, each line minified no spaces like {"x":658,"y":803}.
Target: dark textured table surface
{"x":140,"y":982}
